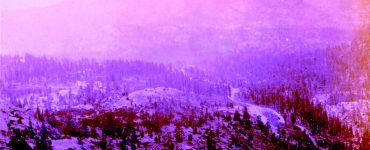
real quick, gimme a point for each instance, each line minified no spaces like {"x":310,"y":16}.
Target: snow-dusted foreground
{"x":157,"y":118}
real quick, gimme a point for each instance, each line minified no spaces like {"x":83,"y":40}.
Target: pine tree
{"x":266,"y":129}
{"x":190,"y":137}
{"x":42,"y":140}
{"x":246,"y":119}
{"x":260,"y":124}
{"x":236,"y":116}
{"x":179,"y":134}
{"x":124,"y":141}
{"x":39,"y":115}
{"x":85,"y":129}
{"x":18,"y":141}
{"x":293,"y":118}
{"x":134,"y":139}
{"x":47,"y":113}
{"x":210,"y":143}
{"x":30,"y":129}
{"x":103,"y":142}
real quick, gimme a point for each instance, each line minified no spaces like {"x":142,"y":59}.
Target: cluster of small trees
{"x":21,"y":137}
{"x":114,"y":125}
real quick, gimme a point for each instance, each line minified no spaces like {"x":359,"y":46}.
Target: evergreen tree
{"x":39,"y":115}
{"x":246,"y":119}
{"x":124,"y":141}
{"x":260,"y":124}
{"x":85,"y":129}
{"x":211,"y":144}
{"x":179,"y":134}
{"x":30,"y":129}
{"x":293,"y":118}
{"x":134,"y":139}
{"x":190,"y":137}
{"x":18,"y":141}
{"x":42,"y":140}
{"x":103,"y":143}
{"x":236,"y":116}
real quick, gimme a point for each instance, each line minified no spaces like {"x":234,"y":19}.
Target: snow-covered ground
{"x":171,"y":100}
{"x":269,"y":115}
{"x":321,"y":98}
{"x":356,"y":113}
{"x":150,"y":96}
{"x":66,"y":144}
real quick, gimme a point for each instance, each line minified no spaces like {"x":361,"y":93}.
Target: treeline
{"x":296,"y":107}
{"x":114,"y":74}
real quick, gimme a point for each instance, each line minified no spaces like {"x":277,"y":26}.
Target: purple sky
{"x":167,"y":29}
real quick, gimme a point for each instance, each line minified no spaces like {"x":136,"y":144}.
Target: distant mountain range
{"x":172,"y":31}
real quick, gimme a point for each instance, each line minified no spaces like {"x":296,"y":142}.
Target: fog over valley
{"x":169,"y":31}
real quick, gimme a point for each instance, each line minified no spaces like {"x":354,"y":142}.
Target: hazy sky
{"x":27,"y":4}
{"x":169,"y":29}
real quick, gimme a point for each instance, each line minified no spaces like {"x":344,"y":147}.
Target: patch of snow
{"x":169,"y":128}
{"x":86,"y":107}
{"x":321,"y":98}
{"x":274,"y":118}
{"x":64,"y":144}
{"x":308,"y":133}
{"x":354,"y":113}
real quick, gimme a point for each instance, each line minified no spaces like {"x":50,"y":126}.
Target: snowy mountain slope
{"x":159,"y":95}
{"x":151,"y":95}
{"x":269,"y":115}
{"x":356,"y":113}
